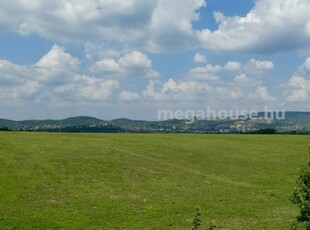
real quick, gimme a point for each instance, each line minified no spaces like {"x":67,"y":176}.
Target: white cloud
{"x":17,"y":81}
{"x":262,"y":94}
{"x":232,"y":66}
{"x":299,"y":89}
{"x":14,"y":74}
{"x":200,"y":58}
{"x":26,"y":90}
{"x":215,"y":72}
{"x":208,"y":72}
{"x":151,"y":25}
{"x":240,"y":86}
{"x":128,"y":96}
{"x":150,"y":91}
{"x":305,"y":67}
{"x":106,"y":66}
{"x":135,"y":60}
{"x":58,"y":58}
{"x":87,"y":88}
{"x":171,"y":25}
{"x":190,"y":91}
{"x":257,"y":66}
{"x":298,"y":95}
{"x":271,"y":26}
{"x":219,"y":17}
{"x":307,"y":64}
{"x":299,"y":82}
{"x":55,"y":74}
{"x":260,"y":65}
{"x":298,"y":86}
{"x":96,"y":90}
{"x":131,"y":64}
{"x":160,"y":25}
{"x":227,"y":93}
{"x":243,"y":80}
{"x":56,"y":64}
{"x":173,"y":90}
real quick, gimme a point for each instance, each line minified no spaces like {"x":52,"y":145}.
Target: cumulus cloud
{"x":58,"y":80}
{"x":171,"y":24}
{"x":87,"y":88}
{"x":67,"y":20}
{"x":305,"y":67}
{"x":120,"y":34}
{"x":232,"y":66}
{"x":215,"y":72}
{"x":161,"y":25}
{"x":57,"y":58}
{"x":153,"y":25}
{"x":200,"y":58}
{"x":25,"y":90}
{"x":298,"y":95}
{"x":133,"y":63}
{"x":108,"y":66}
{"x":271,"y":26}
{"x":257,"y":66}
{"x":55,"y":74}
{"x":299,"y":88}
{"x":175,"y":90}
{"x":243,"y":80}
{"x":135,"y":60}
{"x":128,"y":96}
{"x":219,"y":17}
{"x":17,"y":81}
{"x":208,"y":72}
{"x":14,"y":74}
{"x":56,"y":64}
{"x":229,"y":93}
{"x":262,"y":94}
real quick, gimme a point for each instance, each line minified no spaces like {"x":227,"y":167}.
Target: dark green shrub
{"x":197,"y":219}
{"x":211,"y":226}
{"x":301,"y":195}
{"x":196,"y":224}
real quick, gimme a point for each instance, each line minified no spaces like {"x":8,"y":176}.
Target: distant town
{"x":294,"y":122}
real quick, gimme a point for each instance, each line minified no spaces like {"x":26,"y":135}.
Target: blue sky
{"x":113,"y":59}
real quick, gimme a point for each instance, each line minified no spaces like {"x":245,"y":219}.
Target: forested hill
{"x":293,"y":122}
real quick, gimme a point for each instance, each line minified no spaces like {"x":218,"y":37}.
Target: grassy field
{"x":132,"y":181}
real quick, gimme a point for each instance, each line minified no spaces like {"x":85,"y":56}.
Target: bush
{"x":197,"y":219}
{"x":196,"y":224}
{"x":301,"y":195}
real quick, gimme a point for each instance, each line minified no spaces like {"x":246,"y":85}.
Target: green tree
{"x":301,"y":195}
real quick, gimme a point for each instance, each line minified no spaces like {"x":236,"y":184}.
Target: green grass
{"x":127,"y":181}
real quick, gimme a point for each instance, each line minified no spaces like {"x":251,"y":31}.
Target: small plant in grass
{"x":301,"y":196}
{"x":197,"y":219}
{"x":211,"y":226}
{"x":196,"y":224}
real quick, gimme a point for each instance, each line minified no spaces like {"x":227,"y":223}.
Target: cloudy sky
{"x":131,"y":58}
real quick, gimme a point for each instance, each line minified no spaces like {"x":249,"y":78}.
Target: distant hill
{"x":127,"y":122}
{"x":293,"y":122}
{"x":72,"y":121}
{"x":14,"y":125}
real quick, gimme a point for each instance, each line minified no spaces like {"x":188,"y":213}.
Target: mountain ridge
{"x":294,"y":121}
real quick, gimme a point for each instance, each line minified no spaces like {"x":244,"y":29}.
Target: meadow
{"x":148,"y":181}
